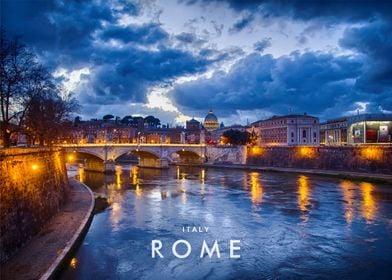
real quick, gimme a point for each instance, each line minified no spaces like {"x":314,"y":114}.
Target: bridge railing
{"x":129,"y":145}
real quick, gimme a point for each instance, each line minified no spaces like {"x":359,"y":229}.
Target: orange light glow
{"x":81,"y":174}
{"x":178,"y":172}
{"x":34,"y":167}
{"x":73,"y":263}
{"x":118,"y":176}
{"x":348,"y":195}
{"x":256,"y":188}
{"x":257,"y":151}
{"x":307,"y":152}
{"x":303,"y":192}
{"x":369,"y":207}
{"x":139,"y":191}
{"x":70,"y":157}
{"x":223,"y":140}
{"x":134,"y":174}
{"x":372,"y":153}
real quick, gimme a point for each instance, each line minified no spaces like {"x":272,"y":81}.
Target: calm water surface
{"x":290,"y":226}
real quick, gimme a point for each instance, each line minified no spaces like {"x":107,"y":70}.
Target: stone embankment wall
{"x":226,"y":154}
{"x":33,"y":186}
{"x":375,"y":159}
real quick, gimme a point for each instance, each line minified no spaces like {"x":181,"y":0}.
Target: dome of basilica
{"x":211,"y":121}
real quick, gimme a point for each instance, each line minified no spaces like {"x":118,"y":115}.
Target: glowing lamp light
{"x":34,"y":167}
{"x":373,"y":153}
{"x":256,"y":151}
{"x":307,"y":152}
{"x":73,"y":263}
{"x":70,"y":157}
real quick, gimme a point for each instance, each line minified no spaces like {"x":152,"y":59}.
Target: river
{"x":288,"y":226}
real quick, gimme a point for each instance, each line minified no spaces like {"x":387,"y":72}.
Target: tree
{"x":21,"y":77}
{"x":235,"y":137}
{"x":48,"y":114}
{"x":151,"y":121}
{"x":108,"y":117}
{"x":30,"y":99}
{"x":252,"y":139}
{"x":127,"y":120}
{"x":77,"y":121}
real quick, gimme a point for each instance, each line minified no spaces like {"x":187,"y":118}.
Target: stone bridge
{"x":102,"y":157}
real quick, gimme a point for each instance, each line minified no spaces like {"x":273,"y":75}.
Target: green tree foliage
{"x":108,"y":117}
{"x":235,"y":137}
{"x":151,"y":121}
{"x":127,"y":120}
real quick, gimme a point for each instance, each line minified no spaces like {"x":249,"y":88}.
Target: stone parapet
{"x":33,"y":186}
{"x":376,"y":159}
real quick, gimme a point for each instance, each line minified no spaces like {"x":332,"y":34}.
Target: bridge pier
{"x":153,"y":162}
{"x":109,"y":166}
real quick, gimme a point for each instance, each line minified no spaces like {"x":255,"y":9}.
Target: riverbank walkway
{"x":46,"y":252}
{"x":376,"y":177}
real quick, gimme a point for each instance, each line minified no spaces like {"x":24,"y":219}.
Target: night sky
{"x":246,"y":60}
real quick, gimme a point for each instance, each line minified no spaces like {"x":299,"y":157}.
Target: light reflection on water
{"x":289,"y":225}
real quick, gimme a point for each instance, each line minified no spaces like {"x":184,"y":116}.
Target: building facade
{"x":192,"y":125}
{"x":211,"y":121}
{"x":100,"y":132}
{"x":334,"y":132}
{"x":289,"y":130}
{"x":356,"y":130}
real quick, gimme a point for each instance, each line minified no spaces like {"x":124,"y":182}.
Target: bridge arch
{"x":186,"y":156}
{"x":90,"y":153}
{"x":91,"y":161}
{"x":139,"y":152}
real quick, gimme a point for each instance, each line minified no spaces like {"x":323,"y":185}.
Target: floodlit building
{"x":334,"y":132}
{"x":359,"y":129}
{"x":100,"y":132}
{"x":211,"y":121}
{"x":192,"y":125}
{"x":289,"y":130}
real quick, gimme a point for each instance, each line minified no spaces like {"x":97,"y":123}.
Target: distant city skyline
{"x":245,"y":60}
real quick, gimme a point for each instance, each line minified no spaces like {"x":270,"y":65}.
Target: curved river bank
{"x":289,"y":226}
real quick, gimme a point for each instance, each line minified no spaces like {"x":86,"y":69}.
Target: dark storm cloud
{"x":262,"y":45}
{"x":319,"y":83}
{"x":76,"y":34}
{"x":311,"y":82}
{"x":375,"y":43}
{"x":188,"y":38}
{"x":242,"y":23}
{"x":54,"y":25}
{"x":125,"y":61}
{"x":342,"y":10}
{"x":146,"y":34}
{"x":126,"y":75}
